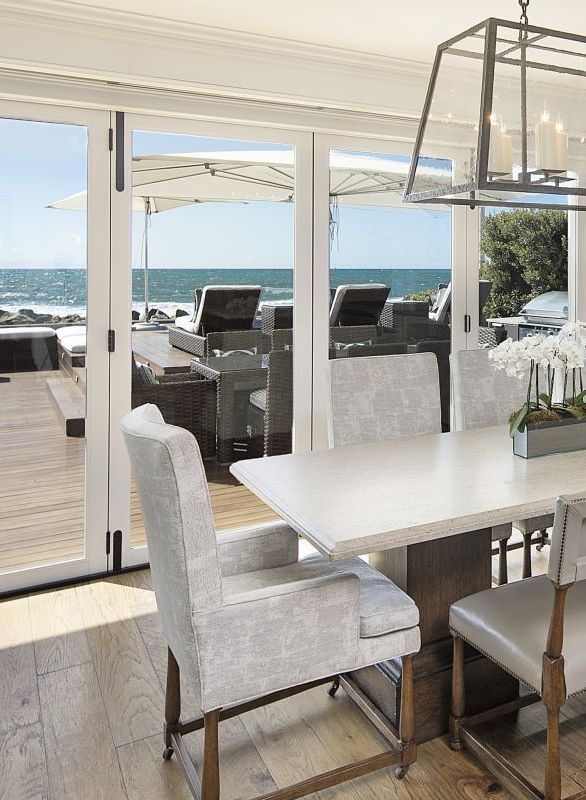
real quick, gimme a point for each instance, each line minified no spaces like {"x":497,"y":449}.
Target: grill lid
{"x":551,"y":305}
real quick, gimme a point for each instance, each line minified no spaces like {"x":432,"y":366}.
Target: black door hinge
{"x":108,"y":543}
{"x":466,"y":323}
{"x":111,"y":139}
{"x":111,"y":340}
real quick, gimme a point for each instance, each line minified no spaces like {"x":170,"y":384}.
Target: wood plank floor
{"x":42,"y":481}
{"x":82,"y":672}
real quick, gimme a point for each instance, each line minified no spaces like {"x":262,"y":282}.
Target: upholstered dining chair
{"x":535,"y":630}
{"x":383,"y":397}
{"x":486,"y":396}
{"x":246,"y":622}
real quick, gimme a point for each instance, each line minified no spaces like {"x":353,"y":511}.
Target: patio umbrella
{"x":167,"y":181}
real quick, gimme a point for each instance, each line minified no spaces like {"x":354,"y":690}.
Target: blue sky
{"x":41,"y":163}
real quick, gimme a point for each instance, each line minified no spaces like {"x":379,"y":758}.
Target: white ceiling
{"x":401,"y":28}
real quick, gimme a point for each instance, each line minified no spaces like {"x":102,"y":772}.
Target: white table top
{"x":362,"y":498}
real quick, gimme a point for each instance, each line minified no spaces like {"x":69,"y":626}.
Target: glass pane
{"x":390,"y":266}
{"x":452,"y":121}
{"x":523,"y":272}
{"x":212,"y":303}
{"x":42,"y":343}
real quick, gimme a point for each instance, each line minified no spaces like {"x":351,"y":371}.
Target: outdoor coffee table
{"x":236,"y":377}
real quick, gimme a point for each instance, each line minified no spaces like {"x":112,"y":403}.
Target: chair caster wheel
{"x":334,"y":688}
{"x":168,"y":753}
{"x":401,"y":771}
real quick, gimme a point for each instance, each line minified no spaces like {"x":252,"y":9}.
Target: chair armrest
{"x":275,"y":637}
{"x":261,"y":547}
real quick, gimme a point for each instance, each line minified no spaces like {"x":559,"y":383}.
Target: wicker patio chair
{"x":274,"y":317}
{"x":185,"y":399}
{"x":270,"y":411}
{"x":219,"y":340}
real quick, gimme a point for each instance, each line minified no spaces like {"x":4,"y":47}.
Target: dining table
{"x":421,"y":508}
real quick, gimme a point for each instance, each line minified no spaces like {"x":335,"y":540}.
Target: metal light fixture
{"x":504,"y":120}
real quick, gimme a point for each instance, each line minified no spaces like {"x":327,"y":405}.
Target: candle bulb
{"x":495,"y":149}
{"x":561,"y":146}
{"x":506,"y":152}
{"x":546,"y":156}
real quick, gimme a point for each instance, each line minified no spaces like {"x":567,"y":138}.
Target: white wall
{"x":45,"y":36}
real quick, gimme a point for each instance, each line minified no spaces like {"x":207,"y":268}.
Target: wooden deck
{"x":82,"y":675}
{"x":42,"y":481}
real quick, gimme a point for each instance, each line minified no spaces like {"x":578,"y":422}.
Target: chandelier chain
{"x":524,"y":6}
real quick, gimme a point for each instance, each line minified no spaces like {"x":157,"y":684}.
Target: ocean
{"x":63,"y":291}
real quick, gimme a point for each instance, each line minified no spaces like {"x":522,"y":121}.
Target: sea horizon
{"x":62,"y":291}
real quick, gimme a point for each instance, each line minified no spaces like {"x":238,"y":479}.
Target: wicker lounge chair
{"x":186,"y":399}
{"x":358,"y":304}
{"x":220,"y":309}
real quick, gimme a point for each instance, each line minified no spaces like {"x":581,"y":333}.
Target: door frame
{"x":96,"y":123}
{"x":121,"y":255}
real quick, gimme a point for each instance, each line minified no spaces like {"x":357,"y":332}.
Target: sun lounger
{"x":358,"y":304}
{"x":27,"y":348}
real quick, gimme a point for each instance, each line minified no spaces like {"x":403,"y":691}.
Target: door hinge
{"x":466,"y":323}
{"x":111,"y":139}
{"x":111,"y":340}
{"x":108,"y":539}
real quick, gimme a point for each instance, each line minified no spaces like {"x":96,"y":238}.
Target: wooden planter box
{"x":561,"y":436}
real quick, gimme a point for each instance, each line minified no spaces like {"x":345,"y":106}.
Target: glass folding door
{"x":211,"y":320}
{"x":383,"y":269}
{"x":54,"y":228}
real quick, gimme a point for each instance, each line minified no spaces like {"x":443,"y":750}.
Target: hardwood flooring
{"x":42,"y":481}
{"x":82,"y":672}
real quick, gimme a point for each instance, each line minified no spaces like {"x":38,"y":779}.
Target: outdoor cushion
{"x":510,"y":625}
{"x":384,"y":607}
{"x":74,"y":344}
{"x":258,"y":398}
{"x":186,"y":323}
{"x":24,"y":332}
{"x":70,"y":330}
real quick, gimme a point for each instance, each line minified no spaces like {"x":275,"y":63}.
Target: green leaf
{"x":545,"y":398}
{"x":579,"y":399}
{"x":518,"y":421}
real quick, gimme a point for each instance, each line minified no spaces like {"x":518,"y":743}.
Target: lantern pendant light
{"x":504,"y":120}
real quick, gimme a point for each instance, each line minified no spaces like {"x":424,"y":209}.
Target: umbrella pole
{"x":147,"y":216}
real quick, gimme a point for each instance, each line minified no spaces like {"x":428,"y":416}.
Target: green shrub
{"x":422,"y":294}
{"x":524,"y":254}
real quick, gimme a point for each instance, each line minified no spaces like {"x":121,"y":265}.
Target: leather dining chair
{"x":247,"y":623}
{"x":534,"y":629}
{"x":485,"y":396}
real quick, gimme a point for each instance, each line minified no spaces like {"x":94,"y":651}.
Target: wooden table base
{"x":436,"y":574}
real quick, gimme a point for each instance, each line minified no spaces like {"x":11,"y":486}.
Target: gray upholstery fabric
{"x":383,"y":397}
{"x":258,"y":398}
{"x":510,"y":624}
{"x":567,"y":559}
{"x":485,"y":396}
{"x":234,"y":646}
{"x":383,"y":606}
{"x":179,"y":527}
{"x":262,"y":548}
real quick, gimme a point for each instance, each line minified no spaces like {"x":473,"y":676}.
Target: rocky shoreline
{"x":26,"y":316}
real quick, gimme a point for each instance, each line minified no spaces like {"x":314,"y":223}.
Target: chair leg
{"x":458,"y":705}
{"x":172,"y":701}
{"x":334,"y":687}
{"x":543,"y":542}
{"x":553,"y":778}
{"x":210,"y":782}
{"x":527,"y":555}
{"x":503,"y":566}
{"x":407,"y":718}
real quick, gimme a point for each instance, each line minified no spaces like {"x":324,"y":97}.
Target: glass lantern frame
{"x":538,"y":182}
